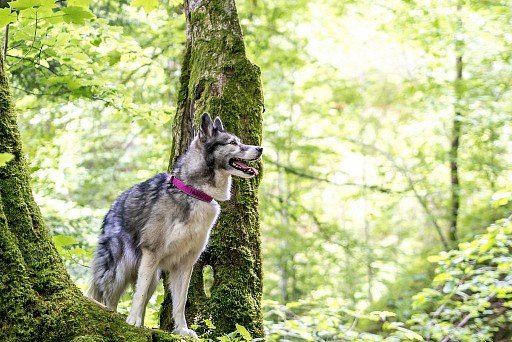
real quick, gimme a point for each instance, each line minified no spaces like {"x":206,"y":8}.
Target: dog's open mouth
{"x":241,"y":165}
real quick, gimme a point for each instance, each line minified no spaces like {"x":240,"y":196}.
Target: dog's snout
{"x":259,"y":149}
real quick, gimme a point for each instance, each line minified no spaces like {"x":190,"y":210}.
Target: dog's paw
{"x":134,"y":320}
{"x":185,"y":332}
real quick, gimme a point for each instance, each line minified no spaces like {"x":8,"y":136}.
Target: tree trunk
{"x":218,"y":78}
{"x":39,"y":302}
{"x":455,"y":138}
{"x":285,"y":257}
{"x":367,"y":233}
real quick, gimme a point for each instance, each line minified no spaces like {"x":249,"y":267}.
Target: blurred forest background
{"x":387,"y":143}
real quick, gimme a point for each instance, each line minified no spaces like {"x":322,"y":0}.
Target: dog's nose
{"x":259,"y":149}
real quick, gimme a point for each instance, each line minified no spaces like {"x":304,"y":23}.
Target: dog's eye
{"x":233,"y":142}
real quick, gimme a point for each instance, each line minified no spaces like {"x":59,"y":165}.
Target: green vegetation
{"x":386,"y":196}
{"x":469,"y":299}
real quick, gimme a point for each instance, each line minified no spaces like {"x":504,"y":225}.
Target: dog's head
{"x":224,"y":151}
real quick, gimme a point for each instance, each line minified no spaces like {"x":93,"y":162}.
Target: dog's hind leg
{"x":179,"y":279}
{"x":146,"y":275}
{"x":151,"y":290}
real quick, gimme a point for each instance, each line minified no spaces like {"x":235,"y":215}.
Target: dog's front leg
{"x":178,"y":285}
{"x":146,"y":275}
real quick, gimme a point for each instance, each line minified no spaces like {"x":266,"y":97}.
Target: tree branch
{"x":302,"y":174}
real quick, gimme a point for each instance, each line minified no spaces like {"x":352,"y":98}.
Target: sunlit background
{"x":360,"y":101}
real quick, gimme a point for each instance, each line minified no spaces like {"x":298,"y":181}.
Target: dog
{"x":164,"y":223}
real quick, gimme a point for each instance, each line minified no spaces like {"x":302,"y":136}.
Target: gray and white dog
{"x":163,"y":224}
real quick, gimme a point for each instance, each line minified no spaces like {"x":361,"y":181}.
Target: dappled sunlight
{"x":386,"y":175}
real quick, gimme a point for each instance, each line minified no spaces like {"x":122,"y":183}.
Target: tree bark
{"x":455,"y":138}
{"x":39,"y":302}
{"x":218,"y":78}
{"x":367,"y":232}
{"x":285,"y":257}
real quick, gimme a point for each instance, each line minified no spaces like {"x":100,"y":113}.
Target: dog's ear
{"x":206,"y":127}
{"x":217,"y":124}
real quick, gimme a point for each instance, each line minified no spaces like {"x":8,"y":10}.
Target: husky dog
{"x":163,"y":224}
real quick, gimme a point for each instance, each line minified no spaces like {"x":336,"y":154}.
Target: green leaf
{"x":79,"y":3}
{"x":383,"y":315}
{"x":436,"y":258}
{"x":24,"y":4}
{"x":147,"y":5}
{"x":501,"y":198}
{"x":448,"y":287}
{"x":56,"y":17}
{"x":411,"y":335}
{"x":72,"y":83}
{"x":64,"y":240}
{"x":244,"y":332}
{"x":77,"y":15}
{"x":114,"y":57}
{"x":209,"y":324}
{"x":5,"y":158}
{"x":442,"y":277}
{"x":6,"y":17}
{"x":79,"y":252}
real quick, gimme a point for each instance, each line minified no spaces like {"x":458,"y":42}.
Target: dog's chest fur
{"x":178,"y":241}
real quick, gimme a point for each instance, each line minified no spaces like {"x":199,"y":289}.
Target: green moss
{"x":88,"y":338}
{"x":163,"y":336}
{"x":16,"y":295}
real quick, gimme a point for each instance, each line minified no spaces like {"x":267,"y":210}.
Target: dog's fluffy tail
{"x":109,"y":276}
{"x":94,"y":292}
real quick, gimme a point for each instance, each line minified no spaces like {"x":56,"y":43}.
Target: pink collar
{"x":197,"y":194}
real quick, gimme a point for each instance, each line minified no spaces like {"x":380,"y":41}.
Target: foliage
{"x":471,"y":295}
{"x":469,"y":300}
{"x":359,"y":105}
{"x":301,"y":321}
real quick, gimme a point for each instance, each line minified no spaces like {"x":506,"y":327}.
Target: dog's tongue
{"x":247,"y":167}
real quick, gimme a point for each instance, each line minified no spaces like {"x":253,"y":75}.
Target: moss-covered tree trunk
{"x":38,"y":300}
{"x":218,"y":78}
